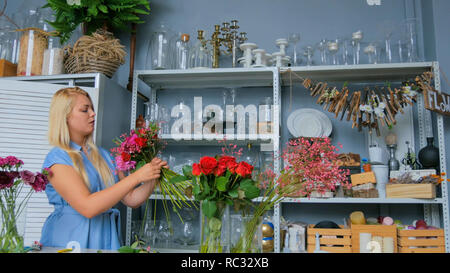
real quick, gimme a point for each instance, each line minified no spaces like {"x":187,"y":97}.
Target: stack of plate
{"x":308,"y":122}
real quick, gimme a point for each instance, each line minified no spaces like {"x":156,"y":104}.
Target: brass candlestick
{"x":226,"y":36}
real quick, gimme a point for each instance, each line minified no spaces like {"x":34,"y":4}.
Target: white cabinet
{"x":160,"y":80}
{"x":24,"y":106}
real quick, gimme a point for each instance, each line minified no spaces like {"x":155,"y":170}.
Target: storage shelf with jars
{"x":192,"y":80}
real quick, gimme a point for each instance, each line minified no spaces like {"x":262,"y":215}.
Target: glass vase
{"x":246,"y":234}
{"x":214,"y":231}
{"x":10,"y":239}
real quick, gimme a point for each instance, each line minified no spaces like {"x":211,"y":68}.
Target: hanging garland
{"x":371,"y":107}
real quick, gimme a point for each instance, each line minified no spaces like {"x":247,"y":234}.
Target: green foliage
{"x":95,"y":13}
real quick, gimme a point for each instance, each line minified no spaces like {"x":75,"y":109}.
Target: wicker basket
{"x":99,"y":52}
{"x":77,"y":64}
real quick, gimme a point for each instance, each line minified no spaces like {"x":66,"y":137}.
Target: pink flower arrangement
{"x":12,"y":182}
{"x":313,"y":161}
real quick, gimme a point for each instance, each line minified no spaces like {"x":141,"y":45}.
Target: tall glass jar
{"x":200,"y":55}
{"x":182,"y":52}
{"x":33,"y":44}
{"x":159,"y":48}
{"x":53,"y":63}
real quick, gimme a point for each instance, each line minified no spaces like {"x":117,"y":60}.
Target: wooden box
{"x":375,"y":230}
{"x":421,"y":241}
{"x":333,"y":240}
{"x":427,"y":191}
{"x":363,"y":178}
{"x":7,"y":69}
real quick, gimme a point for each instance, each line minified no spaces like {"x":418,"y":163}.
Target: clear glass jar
{"x":159,"y":48}
{"x":32,"y":46}
{"x":182,"y":52}
{"x":200,"y":55}
{"x":53,"y":63}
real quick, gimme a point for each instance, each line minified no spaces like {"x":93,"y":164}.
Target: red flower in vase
{"x":196,"y":170}
{"x":208,"y":164}
{"x":244,"y":169}
{"x":229,"y":162}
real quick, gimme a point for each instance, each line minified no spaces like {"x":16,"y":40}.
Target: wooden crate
{"x":7,"y":69}
{"x":375,"y":230}
{"x":421,"y":241}
{"x":332,"y":239}
{"x":427,"y":191}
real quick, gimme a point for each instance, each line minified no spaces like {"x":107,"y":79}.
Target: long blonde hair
{"x":62,"y":104}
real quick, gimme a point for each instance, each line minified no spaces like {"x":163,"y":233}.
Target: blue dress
{"x":65,"y":224}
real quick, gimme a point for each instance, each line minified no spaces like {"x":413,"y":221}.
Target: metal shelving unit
{"x":159,"y":80}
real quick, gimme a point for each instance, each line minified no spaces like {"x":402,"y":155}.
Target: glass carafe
{"x":159,"y":48}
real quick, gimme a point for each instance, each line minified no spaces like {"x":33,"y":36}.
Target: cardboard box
{"x":426,"y":191}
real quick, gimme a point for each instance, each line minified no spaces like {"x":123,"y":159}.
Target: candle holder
{"x":228,"y":37}
{"x":247,"y":48}
{"x":282,"y":44}
{"x":333,"y":48}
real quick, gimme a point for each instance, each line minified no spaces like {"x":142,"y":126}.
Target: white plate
{"x":308,"y":122}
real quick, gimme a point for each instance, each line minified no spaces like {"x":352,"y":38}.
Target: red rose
{"x":196,"y":170}
{"x":208,"y":164}
{"x":220,"y":170}
{"x":229,"y":162}
{"x":244,"y":169}
{"x":126,"y":157}
{"x":142,"y":142}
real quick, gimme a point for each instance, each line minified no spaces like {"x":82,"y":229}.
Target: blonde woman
{"x":84,"y":186}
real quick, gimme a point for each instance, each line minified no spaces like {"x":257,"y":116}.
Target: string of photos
{"x":371,"y":107}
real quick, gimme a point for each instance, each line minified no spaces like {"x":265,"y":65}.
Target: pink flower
{"x":6,"y":181}
{"x":40,"y":182}
{"x":27,"y":177}
{"x":124,"y":165}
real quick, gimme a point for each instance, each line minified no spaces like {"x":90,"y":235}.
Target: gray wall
{"x":267,"y":20}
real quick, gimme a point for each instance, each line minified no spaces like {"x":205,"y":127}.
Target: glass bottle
{"x":356,"y":43}
{"x":322,"y":47}
{"x":182,"y":52}
{"x":159,"y":48}
{"x":265,"y":116}
{"x":200,"y":56}
{"x":251,"y":157}
{"x":411,"y":39}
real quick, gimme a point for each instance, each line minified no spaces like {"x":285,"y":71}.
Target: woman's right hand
{"x":150,"y":171}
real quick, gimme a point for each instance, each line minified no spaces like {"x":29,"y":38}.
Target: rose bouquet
{"x":218,"y":182}
{"x":139,"y":148}
{"x":12,"y":184}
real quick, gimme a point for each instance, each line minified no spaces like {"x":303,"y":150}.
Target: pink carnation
{"x":27,"y":177}
{"x":123,"y":165}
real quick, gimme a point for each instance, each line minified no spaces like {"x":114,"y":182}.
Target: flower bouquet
{"x":139,"y":148}
{"x":218,"y":182}
{"x":12,"y":182}
{"x":311,"y":167}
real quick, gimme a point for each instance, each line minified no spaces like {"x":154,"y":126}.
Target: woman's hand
{"x":150,"y":171}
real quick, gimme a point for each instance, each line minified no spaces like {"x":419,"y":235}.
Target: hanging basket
{"x":96,"y":53}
